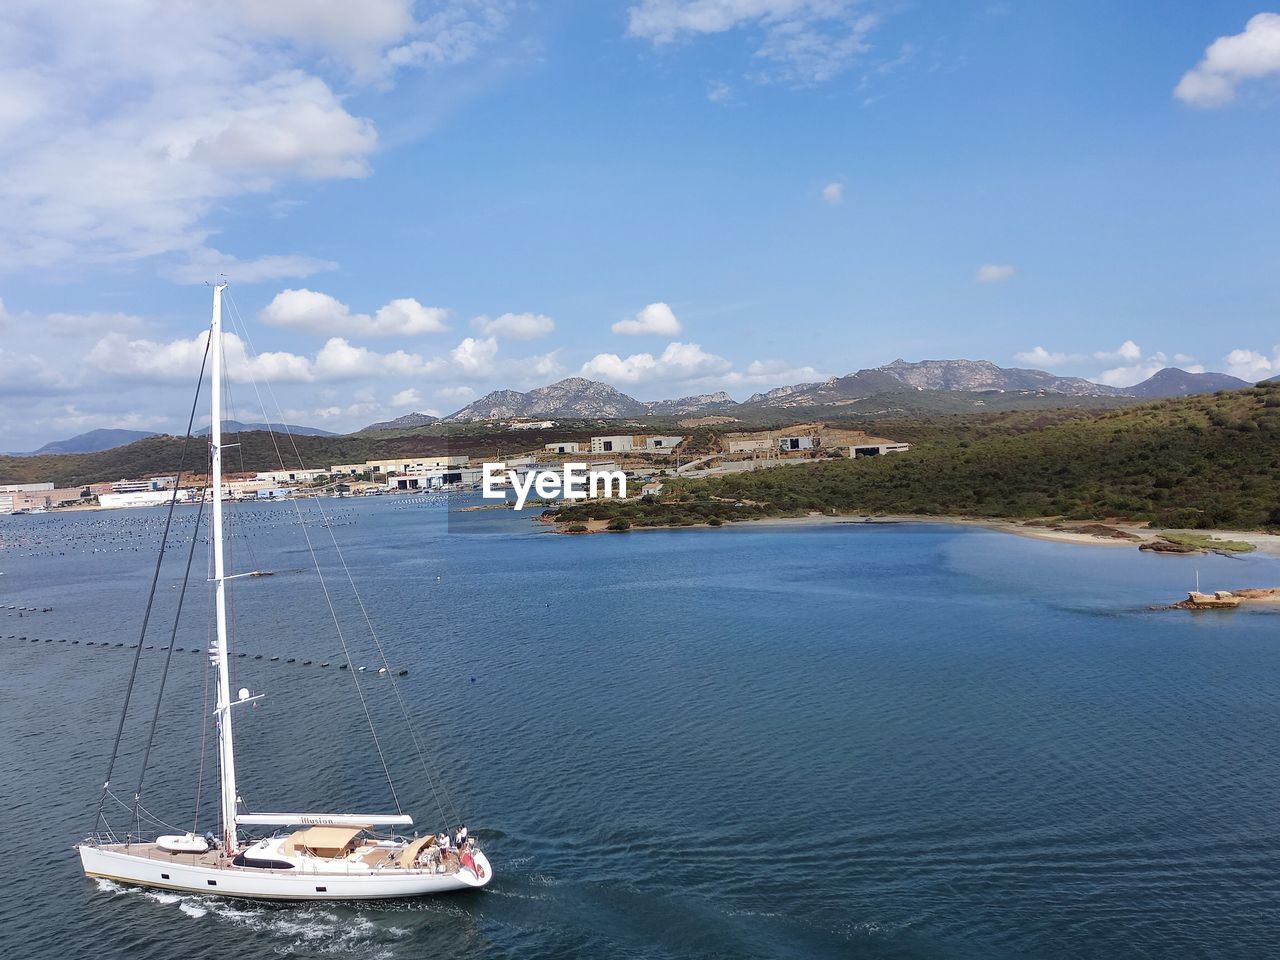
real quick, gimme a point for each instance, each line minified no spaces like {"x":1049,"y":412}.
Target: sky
{"x":416,"y":203}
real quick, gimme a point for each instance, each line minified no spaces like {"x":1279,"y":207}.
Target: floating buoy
{"x":275,"y":658}
{"x":325,"y":664}
{"x":342,"y":666}
{"x":291,"y":660}
{"x":257,"y":656}
{"x":306,"y":663}
{"x":403,"y":673}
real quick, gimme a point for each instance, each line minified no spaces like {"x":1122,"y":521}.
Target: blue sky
{"x":416,"y":203}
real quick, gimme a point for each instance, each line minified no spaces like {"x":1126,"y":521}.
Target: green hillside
{"x":1209,"y":461}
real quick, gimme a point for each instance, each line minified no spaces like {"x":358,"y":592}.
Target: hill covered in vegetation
{"x":1204,"y":462}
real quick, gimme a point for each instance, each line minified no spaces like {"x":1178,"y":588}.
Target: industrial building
{"x":789,"y":444}
{"x":42,"y":498}
{"x":619,"y":444}
{"x":401,"y":466}
{"x":289,"y":476}
{"x":630,"y":444}
{"x":566,"y":446}
{"x":749,"y":443}
{"x":876,"y":448}
{"x":662,"y":444}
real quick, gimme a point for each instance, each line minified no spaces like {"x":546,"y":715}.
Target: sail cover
{"x":322,"y":841}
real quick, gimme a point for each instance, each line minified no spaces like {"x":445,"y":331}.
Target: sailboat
{"x":307,"y":856}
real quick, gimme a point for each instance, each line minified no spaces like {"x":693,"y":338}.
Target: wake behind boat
{"x":306,"y":856}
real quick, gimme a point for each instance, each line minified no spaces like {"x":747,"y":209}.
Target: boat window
{"x":242,"y":861}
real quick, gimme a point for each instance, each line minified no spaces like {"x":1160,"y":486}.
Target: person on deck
{"x":460,"y":837}
{"x":466,"y":858}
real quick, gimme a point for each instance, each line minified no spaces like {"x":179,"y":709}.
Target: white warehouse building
{"x":662,"y":444}
{"x":621,"y":444}
{"x":876,"y":449}
{"x":795,"y":443}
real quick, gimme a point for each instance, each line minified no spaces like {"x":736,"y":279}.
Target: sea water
{"x":898,"y":741}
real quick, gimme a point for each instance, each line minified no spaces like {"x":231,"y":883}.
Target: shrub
{"x":619,"y":524}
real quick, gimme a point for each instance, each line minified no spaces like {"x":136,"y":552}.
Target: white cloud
{"x":90,"y":324}
{"x":1129,"y":375}
{"x":340,"y":360}
{"x":115,"y":356}
{"x":205,"y":265}
{"x":406,"y":317}
{"x":1230,"y":61}
{"x":1040,"y":357}
{"x":1252,"y":365}
{"x":1126,"y":351}
{"x":462,"y":393}
{"x":24,"y":374}
{"x":123,"y":125}
{"x":407,"y":398}
{"x":802,"y":41}
{"x":719,"y":93}
{"x":312,"y":312}
{"x":656,"y":319}
{"x":678,"y":362}
{"x":994,"y":272}
{"x":833,"y":193}
{"x":1136,"y":365}
{"x":475,"y":356}
{"x":772,"y":373}
{"x":517,"y":326}
{"x":540,"y":367}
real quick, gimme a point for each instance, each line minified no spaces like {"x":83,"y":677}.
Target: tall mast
{"x":218,"y":655}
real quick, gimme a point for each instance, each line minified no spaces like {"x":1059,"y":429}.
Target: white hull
{"x":181,"y":872}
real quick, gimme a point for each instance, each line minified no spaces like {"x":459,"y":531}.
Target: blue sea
{"x":845,"y":740}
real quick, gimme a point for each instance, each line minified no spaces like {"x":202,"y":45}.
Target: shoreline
{"x":1266,"y":544}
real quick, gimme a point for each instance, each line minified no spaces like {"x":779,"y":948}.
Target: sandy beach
{"x":1067,"y":532}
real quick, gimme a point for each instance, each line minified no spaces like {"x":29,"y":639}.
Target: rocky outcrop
{"x":971,"y":376}
{"x":1219,"y":600}
{"x":407,"y":422}
{"x":573,"y":397}
{"x":686,"y":405}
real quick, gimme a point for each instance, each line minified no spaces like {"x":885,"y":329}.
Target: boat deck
{"x":151,"y":851}
{"x":369,"y":856}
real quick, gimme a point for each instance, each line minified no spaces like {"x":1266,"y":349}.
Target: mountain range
{"x":91,"y":442}
{"x":581,"y":398}
{"x":238,"y":426}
